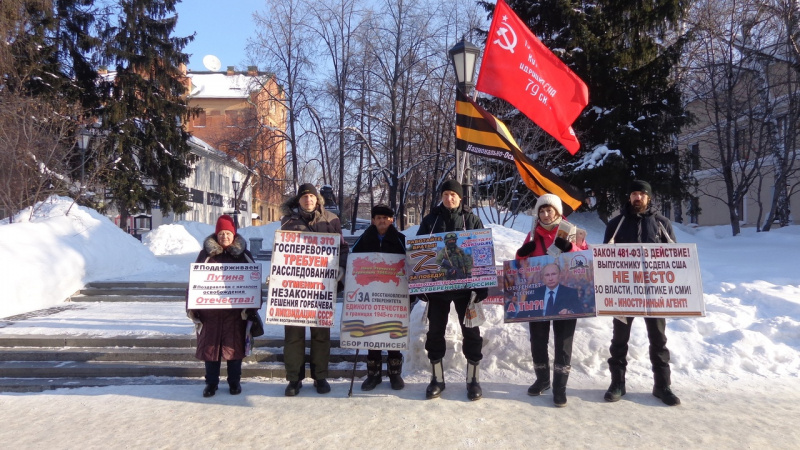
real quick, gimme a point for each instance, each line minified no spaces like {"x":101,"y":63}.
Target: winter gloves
{"x":563,"y":244}
{"x":526,"y":249}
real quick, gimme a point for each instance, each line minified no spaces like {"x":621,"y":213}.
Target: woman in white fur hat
{"x":548,"y":215}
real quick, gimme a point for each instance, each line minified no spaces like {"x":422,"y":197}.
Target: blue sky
{"x":222,"y":28}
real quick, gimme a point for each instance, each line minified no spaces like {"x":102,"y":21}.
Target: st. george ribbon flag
{"x":518,"y":68}
{"x":480,"y":133}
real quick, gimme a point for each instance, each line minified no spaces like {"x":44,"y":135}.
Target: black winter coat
{"x":393,"y":242}
{"x":639,"y":228}
{"x":223,"y":332}
{"x":440,"y":220}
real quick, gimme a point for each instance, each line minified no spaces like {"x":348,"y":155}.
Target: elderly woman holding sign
{"x":221,"y":332}
{"x":305,"y":212}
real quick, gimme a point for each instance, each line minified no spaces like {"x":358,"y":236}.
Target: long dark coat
{"x":223,"y":333}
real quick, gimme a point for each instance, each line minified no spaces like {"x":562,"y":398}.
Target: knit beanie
{"x":225,"y":222}
{"x":306,"y":188}
{"x":548,"y":199}
{"x":452,"y":185}
{"x":641,"y":186}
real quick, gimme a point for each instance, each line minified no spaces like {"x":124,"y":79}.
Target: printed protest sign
{"x":224,"y":286}
{"x":652,"y":280}
{"x":302,"y":279}
{"x":549,"y":287}
{"x":496,"y":292}
{"x":451,"y":260}
{"x":376,"y":304}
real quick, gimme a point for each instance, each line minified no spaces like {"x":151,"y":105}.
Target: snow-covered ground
{"x":736,"y":370}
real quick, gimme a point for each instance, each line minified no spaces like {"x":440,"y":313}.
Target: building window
{"x":199,"y":120}
{"x":233,"y":118}
{"x":211,"y":181}
{"x":741,"y":145}
{"x":694,"y":208}
{"x":694,"y":156}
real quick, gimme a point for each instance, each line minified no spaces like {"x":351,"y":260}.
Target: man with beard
{"x":639,"y":222}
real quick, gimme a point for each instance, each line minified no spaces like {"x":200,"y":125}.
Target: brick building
{"x":244,"y":116}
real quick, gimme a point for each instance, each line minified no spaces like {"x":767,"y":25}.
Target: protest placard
{"x":528,"y":283}
{"x":652,"y":280}
{"x":302,"y":279}
{"x":496,"y":292}
{"x":376,"y":304}
{"x":224,"y":286}
{"x":451,"y":260}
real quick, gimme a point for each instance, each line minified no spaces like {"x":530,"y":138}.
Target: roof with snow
{"x":222,"y":85}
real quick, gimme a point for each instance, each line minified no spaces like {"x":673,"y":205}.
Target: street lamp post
{"x":83,"y":143}
{"x":464,"y":56}
{"x":236,"y":183}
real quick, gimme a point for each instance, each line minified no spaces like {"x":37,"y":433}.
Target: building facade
{"x":243,"y":116}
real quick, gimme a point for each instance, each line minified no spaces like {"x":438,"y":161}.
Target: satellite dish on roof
{"x":212,"y":63}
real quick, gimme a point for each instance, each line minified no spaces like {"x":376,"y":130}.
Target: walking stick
{"x":353,"y":378}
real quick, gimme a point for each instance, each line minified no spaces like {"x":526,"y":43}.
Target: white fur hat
{"x":548,"y":199}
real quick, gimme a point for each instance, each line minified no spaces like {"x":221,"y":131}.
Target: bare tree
{"x":725,"y":83}
{"x":283,"y":44}
{"x":779,"y":57}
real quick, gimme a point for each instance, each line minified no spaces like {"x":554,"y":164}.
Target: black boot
{"x":435,"y":388}
{"x":560,"y":376}
{"x":666,"y":395}
{"x":210,"y":390}
{"x":374,"y":377}
{"x":474,"y":391}
{"x":615,"y":391}
{"x":293,"y":388}
{"x":395,"y":366}
{"x":542,"y":382}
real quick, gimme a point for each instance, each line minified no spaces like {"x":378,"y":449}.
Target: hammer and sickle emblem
{"x":509,"y":42}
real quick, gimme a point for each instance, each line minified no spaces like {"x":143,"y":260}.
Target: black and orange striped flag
{"x":480,"y":133}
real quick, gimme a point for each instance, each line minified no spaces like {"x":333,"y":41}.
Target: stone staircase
{"x":124,"y":291}
{"x":37,"y":363}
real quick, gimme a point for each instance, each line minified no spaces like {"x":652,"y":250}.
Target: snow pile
{"x":55,"y":248}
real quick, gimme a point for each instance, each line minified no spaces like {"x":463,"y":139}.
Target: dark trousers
{"x":294,"y":352}
{"x":375,"y":355}
{"x":659,"y":354}
{"x":234,"y":372}
{"x":438,"y":313}
{"x":563,"y":331}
